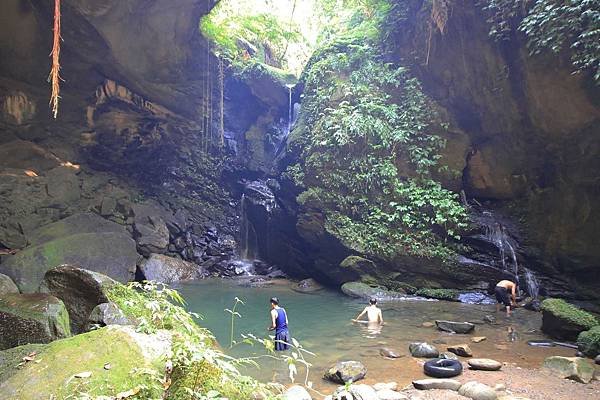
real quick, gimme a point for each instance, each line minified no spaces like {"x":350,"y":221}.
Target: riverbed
{"x":321,"y":322}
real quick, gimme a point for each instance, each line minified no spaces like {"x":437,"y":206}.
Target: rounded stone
{"x":477,"y":391}
{"x":484,"y":364}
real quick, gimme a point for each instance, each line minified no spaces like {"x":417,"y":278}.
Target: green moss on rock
{"x":589,"y":341}
{"x":565,"y":321}
{"x":440,"y":294}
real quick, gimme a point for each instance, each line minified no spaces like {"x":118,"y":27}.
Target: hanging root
{"x":54,"y":77}
{"x":439,"y":14}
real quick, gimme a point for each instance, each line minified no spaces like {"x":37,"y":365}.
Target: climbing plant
{"x":54,"y":77}
{"x":369,"y":149}
{"x":554,"y":25}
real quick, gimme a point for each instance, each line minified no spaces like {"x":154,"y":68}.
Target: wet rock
{"x":165,"y":269}
{"x":588,"y":342}
{"x":484,"y":364}
{"x":107,"y":314}
{"x":7,"y":286}
{"x":296,"y":392}
{"x":455,"y":327}
{"x":307,"y":286}
{"x":364,"y":291}
{"x":389,"y":353}
{"x":477,"y":391}
{"x":358,"y":265}
{"x":448,"y":356}
{"x":79,"y":289}
{"x":462,"y":350}
{"x":423,"y":350}
{"x":345,"y":371}
{"x":151,"y":234}
{"x":32,"y":318}
{"x":385,"y":386}
{"x":356,"y":392}
{"x":478,"y":339}
{"x":443,"y":384}
{"x":575,"y":368}
{"x":387,"y":394}
{"x":112,"y":254}
{"x":490,"y":319}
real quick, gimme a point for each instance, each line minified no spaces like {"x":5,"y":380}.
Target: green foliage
{"x":554,"y":25}
{"x":569,"y":313}
{"x":368,"y":150}
{"x":589,"y":342}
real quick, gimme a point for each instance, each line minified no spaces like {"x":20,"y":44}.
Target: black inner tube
{"x":442,"y":368}
{"x":541,"y":343}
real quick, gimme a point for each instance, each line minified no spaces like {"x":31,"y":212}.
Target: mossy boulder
{"x":439,"y":294}
{"x":110,"y":253}
{"x":81,"y":291}
{"x":109,"y":358}
{"x":32,"y":318}
{"x":589,"y":342}
{"x":575,"y":368}
{"x":7,"y":285}
{"x":11,"y":358}
{"x":360,"y":265}
{"x":565,"y":321}
{"x":364,"y":291}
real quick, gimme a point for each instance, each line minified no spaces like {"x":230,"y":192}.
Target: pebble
{"x":446,"y":384}
{"x":484,"y":364}
{"x":427,"y":324}
{"x":478,"y":339}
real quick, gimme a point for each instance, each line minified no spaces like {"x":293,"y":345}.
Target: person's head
{"x":373,"y":301}
{"x":274,"y":302}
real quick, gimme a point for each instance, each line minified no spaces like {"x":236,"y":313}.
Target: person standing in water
{"x":374,"y":314}
{"x":506,"y":293}
{"x":279,"y":323}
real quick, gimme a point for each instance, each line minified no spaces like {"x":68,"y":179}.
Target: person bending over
{"x":506,"y":293}
{"x":374,"y":314}
{"x":279,"y":323}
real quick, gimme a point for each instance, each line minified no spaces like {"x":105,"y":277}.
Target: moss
{"x":11,"y":358}
{"x":589,"y":341}
{"x":399,"y":286}
{"x":54,"y":374}
{"x":440,"y":294}
{"x":569,"y":313}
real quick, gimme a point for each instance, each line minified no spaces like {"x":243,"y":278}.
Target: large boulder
{"x":7,"y":285}
{"x":81,"y":290}
{"x":454,"y":327}
{"x":103,"y":360}
{"x":107,"y":314}
{"x":307,"y":286}
{"x":356,"y":392}
{"x":423,"y":350}
{"x":565,"y":321}
{"x":31,"y":318}
{"x":364,"y":291}
{"x":112,"y":254}
{"x":150,"y":229}
{"x":346,"y":371}
{"x":74,"y":224}
{"x":165,"y":269}
{"x":588,"y":342}
{"x":575,"y":368}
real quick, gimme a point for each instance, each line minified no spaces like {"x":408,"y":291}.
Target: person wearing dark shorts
{"x":279,"y":323}
{"x":506,"y":293}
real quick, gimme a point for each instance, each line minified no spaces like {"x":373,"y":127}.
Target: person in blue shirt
{"x":279,"y":323}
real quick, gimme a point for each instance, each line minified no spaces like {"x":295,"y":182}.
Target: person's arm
{"x":514,"y":294}
{"x":360,"y":315}
{"x":380,"y":317}
{"x":273,"y":318}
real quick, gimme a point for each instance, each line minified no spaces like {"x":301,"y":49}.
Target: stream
{"x":321,"y":323}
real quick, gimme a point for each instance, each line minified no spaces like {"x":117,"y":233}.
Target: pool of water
{"x":322,"y":323}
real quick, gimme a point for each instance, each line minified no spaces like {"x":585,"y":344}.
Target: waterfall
{"x":290,"y":111}
{"x":496,"y":233}
{"x":247,"y":251}
{"x":532,"y":284}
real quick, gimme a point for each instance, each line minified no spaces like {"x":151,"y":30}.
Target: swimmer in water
{"x":374,"y":314}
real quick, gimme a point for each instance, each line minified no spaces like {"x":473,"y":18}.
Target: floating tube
{"x":442,"y":368}
{"x":541,"y":343}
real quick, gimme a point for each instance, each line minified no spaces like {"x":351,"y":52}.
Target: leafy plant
{"x":233,"y":315}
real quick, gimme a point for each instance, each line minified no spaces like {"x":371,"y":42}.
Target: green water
{"x":321,"y":323}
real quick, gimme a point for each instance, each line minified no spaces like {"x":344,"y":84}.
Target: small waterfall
{"x":247,"y":250}
{"x":496,"y":233}
{"x":532,"y":284}
{"x":290,"y":110}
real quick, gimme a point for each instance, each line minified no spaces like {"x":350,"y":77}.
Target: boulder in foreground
{"x":588,"y":342}
{"x":346,"y":371}
{"x":7,"y":285}
{"x":31,"y":318}
{"x":296,"y":392}
{"x":565,"y":321}
{"x":575,"y":368}
{"x":477,"y":391}
{"x":445,"y":384}
{"x":484,"y":364}
{"x":165,"y":269}
{"x":423,"y":350}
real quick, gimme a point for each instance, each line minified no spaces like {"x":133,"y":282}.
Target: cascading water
{"x":290,"y":111}
{"x":496,"y":234}
{"x":247,"y":249}
{"x":532,"y":284}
